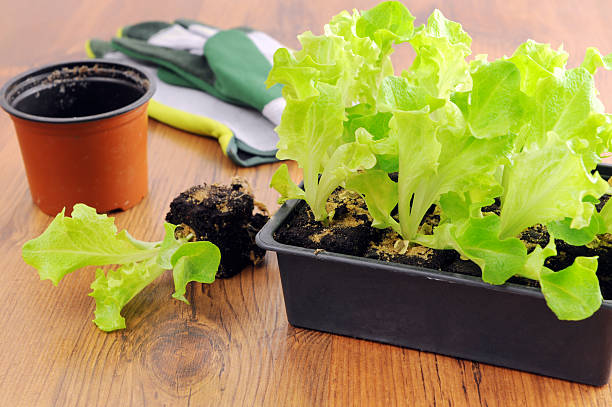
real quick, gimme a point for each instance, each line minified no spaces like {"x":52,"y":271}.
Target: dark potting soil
{"x":349,"y":232}
{"x":78,"y":99}
{"x":223,"y":215}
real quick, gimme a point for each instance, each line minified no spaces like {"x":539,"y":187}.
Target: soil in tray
{"x":349,"y":232}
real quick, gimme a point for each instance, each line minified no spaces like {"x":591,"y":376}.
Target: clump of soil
{"x":223,"y":215}
{"x":349,"y":232}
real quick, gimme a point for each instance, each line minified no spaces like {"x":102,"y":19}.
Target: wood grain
{"x":232,"y":346}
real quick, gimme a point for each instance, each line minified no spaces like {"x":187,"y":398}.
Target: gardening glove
{"x":231,"y":65}
{"x":245,"y":136}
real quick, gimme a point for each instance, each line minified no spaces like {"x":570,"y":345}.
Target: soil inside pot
{"x":77,"y":91}
{"x":78,"y":99}
{"x":349,"y":232}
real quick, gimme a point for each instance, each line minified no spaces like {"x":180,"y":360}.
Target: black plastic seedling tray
{"x":434,"y":311}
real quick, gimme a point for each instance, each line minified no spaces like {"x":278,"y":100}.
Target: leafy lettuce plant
{"x":523,"y":129}
{"x":547,"y":180}
{"x":449,"y":127}
{"x":91,"y":239}
{"x":332,"y":72}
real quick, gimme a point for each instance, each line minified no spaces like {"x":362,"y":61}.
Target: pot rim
{"x":265,"y":239}
{"x":49,"y":68}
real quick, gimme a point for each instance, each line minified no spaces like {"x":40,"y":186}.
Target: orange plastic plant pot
{"x":82,"y":131}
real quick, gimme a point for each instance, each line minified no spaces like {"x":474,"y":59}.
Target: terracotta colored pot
{"x":82,"y":130}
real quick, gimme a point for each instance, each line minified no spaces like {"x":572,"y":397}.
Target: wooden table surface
{"x":233,"y":345}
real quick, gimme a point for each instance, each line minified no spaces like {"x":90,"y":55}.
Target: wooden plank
{"x":232,"y":345}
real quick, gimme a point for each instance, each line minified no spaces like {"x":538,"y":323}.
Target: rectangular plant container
{"x":445,"y":313}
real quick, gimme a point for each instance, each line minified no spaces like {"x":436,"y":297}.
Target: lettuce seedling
{"x":91,"y":239}
{"x":524,"y":129}
{"x":331,"y":73}
{"x":547,"y":180}
{"x":441,"y":146}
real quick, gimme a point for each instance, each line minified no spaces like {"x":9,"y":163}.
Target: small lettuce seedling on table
{"x":90,"y":239}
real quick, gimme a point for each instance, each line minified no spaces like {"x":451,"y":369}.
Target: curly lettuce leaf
{"x":329,"y":74}
{"x":441,"y":47}
{"x":380,"y":195}
{"x":387,"y":22}
{"x":593,"y":60}
{"x":537,"y":61}
{"x":168,"y":246}
{"x":606,"y":216}
{"x":416,"y":134}
{"x":364,"y":116}
{"x":496,"y":102}
{"x":561,"y":229}
{"x":88,"y":238}
{"x":112,"y":291}
{"x":573,"y":293}
{"x":347,"y":159}
{"x":499,"y":259}
{"x":282,"y":183}
{"x":545,"y":184}
{"x":397,"y":93}
{"x":563,"y":103}
{"x":194,"y":261}
{"x":437,"y":154}
{"x":439,"y":26}
{"x":85,"y":239}
{"x":309,"y":129}
{"x":476,"y":238}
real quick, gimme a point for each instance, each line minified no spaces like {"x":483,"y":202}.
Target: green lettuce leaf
{"x":546,"y":184}
{"x":561,"y":229}
{"x":194,"y":261}
{"x":397,"y":93}
{"x":88,"y":238}
{"x":282,"y":183}
{"x":364,"y":116}
{"x":499,"y":259}
{"x":416,"y":133}
{"x":476,"y":238}
{"x":330,"y":74}
{"x":563,"y":103}
{"x":537,"y":61}
{"x":112,"y":291}
{"x":439,"y":26}
{"x":85,"y":239}
{"x":380,"y":194}
{"x":441,"y":47}
{"x":347,"y":159}
{"x":573,"y":293}
{"x":168,"y":246}
{"x":387,"y":23}
{"x":593,"y":60}
{"x":309,"y":129}
{"x":606,"y":216}
{"x":496,"y":103}
{"x":438,"y":156}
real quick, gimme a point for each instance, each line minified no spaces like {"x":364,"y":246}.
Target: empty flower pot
{"x":82,"y":131}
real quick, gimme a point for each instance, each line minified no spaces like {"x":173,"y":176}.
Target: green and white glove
{"x":244,"y":134}
{"x":231,"y":65}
